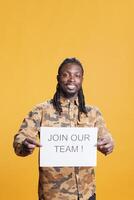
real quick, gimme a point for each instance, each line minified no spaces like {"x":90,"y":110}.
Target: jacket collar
{"x":64,"y":101}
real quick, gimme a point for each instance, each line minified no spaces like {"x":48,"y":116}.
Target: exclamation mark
{"x":82,"y":148}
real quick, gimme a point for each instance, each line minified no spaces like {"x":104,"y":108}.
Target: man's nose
{"x":71,"y":78}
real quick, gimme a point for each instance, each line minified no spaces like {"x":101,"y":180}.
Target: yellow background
{"x":35,"y":36}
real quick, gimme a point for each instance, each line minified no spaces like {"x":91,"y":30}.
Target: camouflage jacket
{"x":57,"y":183}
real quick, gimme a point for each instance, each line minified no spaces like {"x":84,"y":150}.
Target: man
{"x":66,"y":109}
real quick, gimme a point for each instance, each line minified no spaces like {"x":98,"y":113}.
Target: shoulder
{"x":93,"y":109}
{"x":38,"y":108}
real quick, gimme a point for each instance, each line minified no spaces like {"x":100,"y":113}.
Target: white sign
{"x":68,"y":146}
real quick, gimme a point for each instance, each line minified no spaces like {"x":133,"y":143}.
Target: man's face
{"x":70,"y":80}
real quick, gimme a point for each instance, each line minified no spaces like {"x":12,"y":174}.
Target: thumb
{"x":32,"y":141}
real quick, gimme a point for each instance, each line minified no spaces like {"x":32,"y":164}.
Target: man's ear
{"x":82,"y":78}
{"x":58,"y":77}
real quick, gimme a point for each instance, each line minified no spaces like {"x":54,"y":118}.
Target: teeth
{"x":71,"y":87}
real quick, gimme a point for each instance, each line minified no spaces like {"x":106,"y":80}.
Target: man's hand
{"x":29,"y":145}
{"x":105,"y":145}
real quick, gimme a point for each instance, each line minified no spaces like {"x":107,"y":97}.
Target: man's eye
{"x":78,"y":75}
{"x":65,"y":75}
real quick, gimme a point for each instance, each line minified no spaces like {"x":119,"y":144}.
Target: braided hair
{"x":81,"y":98}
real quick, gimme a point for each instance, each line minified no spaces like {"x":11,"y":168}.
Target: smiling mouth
{"x":71,"y":87}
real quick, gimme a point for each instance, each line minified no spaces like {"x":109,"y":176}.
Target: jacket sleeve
{"x":101,"y":125}
{"x":29,"y":128}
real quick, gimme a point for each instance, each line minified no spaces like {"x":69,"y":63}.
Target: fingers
{"x":31,"y":143}
{"x":105,"y":145}
{"x":103,"y":141}
{"x":105,"y":151}
{"x":110,"y":150}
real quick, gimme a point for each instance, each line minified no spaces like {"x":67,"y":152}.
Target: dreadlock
{"x":81,"y":98}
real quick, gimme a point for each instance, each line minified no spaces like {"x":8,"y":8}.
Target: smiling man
{"x":66,"y":109}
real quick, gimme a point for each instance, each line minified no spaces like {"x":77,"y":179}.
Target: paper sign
{"x":68,"y":146}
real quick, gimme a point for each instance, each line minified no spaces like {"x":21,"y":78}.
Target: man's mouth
{"x":71,"y":87}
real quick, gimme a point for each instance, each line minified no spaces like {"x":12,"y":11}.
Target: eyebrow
{"x":70,"y":72}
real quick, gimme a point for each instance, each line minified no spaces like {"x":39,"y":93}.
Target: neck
{"x":70,"y":97}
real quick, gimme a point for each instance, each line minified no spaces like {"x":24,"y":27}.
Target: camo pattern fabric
{"x":58,"y":183}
